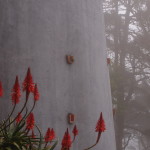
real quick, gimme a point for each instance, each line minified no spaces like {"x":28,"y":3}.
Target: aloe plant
{"x":17,"y":131}
{"x":16,"y":138}
{"x":15,"y":134}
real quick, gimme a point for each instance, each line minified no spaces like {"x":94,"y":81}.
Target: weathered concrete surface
{"x":39,"y":33}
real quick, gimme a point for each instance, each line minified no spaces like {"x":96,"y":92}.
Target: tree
{"x":127,"y":36}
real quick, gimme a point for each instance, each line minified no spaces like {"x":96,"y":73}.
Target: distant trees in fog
{"x":127,"y":24}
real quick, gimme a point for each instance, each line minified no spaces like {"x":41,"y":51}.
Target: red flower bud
{"x":36,"y":93}
{"x":1,"y":89}
{"x":66,"y":142}
{"x":28,"y":84}
{"x":75,"y":131}
{"x":100,"y":127}
{"x":16,"y":92}
{"x":52,"y":134}
{"x":19,"y":117}
{"x":30,"y":122}
{"x":47,"y":136}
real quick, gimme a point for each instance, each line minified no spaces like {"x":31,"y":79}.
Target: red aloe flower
{"x":19,"y":117}
{"x":30,"y":122}
{"x":75,"y":131}
{"x":16,"y":92}
{"x":66,"y":142}
{"x":36,"y":93}
{"x":1,"y":89}
{"x":50,"y":135}
{"x":100,"y":127}
{"x":28,"y":84}
{"x":33,"y":135}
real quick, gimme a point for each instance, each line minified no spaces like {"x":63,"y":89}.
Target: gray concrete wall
{"x":39,"y":34}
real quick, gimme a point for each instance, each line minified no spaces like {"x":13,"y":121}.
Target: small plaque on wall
{"x":71,"y":118}
{"x":70,"y":59}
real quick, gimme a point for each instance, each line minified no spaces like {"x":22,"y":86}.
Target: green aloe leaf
{"x":40,"y":142}
{"x":54,"y":145}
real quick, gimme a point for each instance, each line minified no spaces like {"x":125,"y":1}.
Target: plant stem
{"x":45,"y":144}
{"x":9,"y":116}
{"x":27,"y":96}
{"x":31,"y":109}
{"x":98,"y":138}
{"x":73,"y":139}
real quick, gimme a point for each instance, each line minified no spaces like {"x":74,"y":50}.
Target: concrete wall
{"x":39,"y":34}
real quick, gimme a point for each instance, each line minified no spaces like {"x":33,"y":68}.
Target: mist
{"x":127,"y":26}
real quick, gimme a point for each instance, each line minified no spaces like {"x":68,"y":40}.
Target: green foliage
{"x":16,"y":137}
